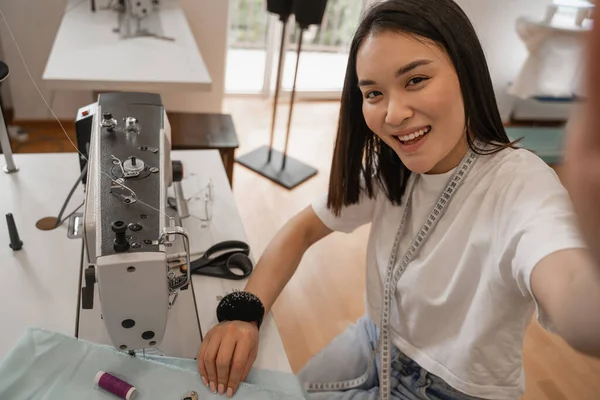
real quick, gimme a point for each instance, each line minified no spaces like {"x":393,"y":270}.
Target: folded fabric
{"x":46,"y":365}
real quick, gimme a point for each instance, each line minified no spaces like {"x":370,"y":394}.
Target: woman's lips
{"x":414,"y":141}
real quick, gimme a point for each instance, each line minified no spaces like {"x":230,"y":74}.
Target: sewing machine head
{"x":137,"y":18}
{"x":127,"y":230}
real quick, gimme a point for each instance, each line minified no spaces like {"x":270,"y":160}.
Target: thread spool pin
{"x":15,"y":241}
{"x":120,"y":243}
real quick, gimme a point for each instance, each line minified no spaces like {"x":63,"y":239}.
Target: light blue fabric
{"x":46,"y":365}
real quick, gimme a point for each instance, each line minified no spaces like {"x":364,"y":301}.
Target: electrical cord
{"x":59,"y":219}
{"x":59,"y":223}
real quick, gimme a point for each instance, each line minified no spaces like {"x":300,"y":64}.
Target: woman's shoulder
{"x":518,"y":166}
{"x":520,"y":179}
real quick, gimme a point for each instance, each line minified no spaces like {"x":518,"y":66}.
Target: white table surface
{"x":226,"y":224}
{"x":88,"y":55}
{"x":39,"y":284}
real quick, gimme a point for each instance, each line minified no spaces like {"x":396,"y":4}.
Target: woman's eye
{"x":416,"y":81}
{"x":372,"y":94}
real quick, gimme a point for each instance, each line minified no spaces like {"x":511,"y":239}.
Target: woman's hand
{"x":226,"y":355}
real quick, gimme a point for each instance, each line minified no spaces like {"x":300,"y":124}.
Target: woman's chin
{"x":417,"y":166}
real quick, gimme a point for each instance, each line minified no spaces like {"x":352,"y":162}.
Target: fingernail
{"x":221,"y":388}
{"x":204,"y":381}
{"x":213,"y":388}
{"x":229,"y":392}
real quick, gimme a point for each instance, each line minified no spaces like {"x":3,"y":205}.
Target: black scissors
{"x":222,"y":259}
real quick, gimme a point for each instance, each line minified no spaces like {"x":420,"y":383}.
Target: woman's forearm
{"x":583,"y":148}
{"x":581,"y":319}
{"x":283,"y":255}
{"x":566,"y":285}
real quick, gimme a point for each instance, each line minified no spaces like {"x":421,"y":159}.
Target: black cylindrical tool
{"x":15,"y":241}
{"x":120,"y":244}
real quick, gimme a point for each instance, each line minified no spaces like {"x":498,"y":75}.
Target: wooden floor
{"x":316,"y":305}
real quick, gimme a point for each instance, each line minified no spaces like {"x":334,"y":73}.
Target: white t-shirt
{"x":463,"y":304}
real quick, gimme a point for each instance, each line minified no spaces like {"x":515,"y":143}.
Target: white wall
{"x":34,"y":24}
{"x":209,"y":21}
{"x":494,"y":22}
{"x":39,"y":19}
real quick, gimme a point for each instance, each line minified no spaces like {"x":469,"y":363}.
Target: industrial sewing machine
{"x":136,"y":18}
{"x":129,"y":293}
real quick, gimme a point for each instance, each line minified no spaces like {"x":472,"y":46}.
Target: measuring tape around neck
{"x":395,"y":272}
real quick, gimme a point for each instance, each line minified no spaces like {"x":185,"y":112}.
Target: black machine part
{"x":15,"y":241}
{"x":87,"y":292}
{"x":177,"y":170}
{"x":135,"y":201}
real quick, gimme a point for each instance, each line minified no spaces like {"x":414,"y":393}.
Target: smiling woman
{"x":403,"y":104}
{"x":469,"y":236}
{"x":412,"y":71}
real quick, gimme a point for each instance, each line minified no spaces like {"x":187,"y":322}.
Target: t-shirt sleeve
{"x":537,"y":220}
{"x":351,"y":217}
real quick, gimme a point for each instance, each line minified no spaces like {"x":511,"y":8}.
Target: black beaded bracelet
{"x":241,"y":306}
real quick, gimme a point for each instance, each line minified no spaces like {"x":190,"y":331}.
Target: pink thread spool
{"x":114,"y":385}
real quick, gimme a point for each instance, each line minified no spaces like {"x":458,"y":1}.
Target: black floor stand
{"x":268,"y":162}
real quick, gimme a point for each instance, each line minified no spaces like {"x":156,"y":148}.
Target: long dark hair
{"x":358,"y":152}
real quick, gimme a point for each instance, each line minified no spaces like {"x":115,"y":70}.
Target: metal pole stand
{"x":272,"y":164}
{"x":10,"y":166}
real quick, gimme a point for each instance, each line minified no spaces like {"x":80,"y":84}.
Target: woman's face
{"x":412,"y":100}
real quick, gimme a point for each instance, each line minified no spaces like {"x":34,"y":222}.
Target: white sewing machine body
{"x":137,"y":18}
{"x":126,"y":221}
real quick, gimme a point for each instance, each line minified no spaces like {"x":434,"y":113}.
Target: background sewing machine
{"x":135,"y":18}
{"x":130,"y":296}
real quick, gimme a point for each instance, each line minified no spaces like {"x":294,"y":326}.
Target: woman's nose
{"x":398,"y":111}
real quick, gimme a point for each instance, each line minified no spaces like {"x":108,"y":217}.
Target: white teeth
{"x":414,"y":135}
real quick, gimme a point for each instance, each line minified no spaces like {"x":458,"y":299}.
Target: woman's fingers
{"x":227,"y":355}
{"x":223,"y":362}
{"x":201,"y":353}
{"x":210,"y":358}
{"x":239,"y":363}
{"x":250,"y":362}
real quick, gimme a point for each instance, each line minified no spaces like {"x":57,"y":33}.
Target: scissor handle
{"x":238,"y":261}
{"x":232,"y":246}
{"x":224,"y":268}
{"x":229,"y":249}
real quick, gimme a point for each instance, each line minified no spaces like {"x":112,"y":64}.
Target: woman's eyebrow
{"x":401,"y":71}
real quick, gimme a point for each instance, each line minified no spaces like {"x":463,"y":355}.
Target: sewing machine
{"x":138,"y":19}
{"x":129,"y":293}
{"x":42,"y":285}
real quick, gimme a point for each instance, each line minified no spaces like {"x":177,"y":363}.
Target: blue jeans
{"x":347,"y":370}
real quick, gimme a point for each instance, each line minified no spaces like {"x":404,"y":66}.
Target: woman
{"x":469,"y":236}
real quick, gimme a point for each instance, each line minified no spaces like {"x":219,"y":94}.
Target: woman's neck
{"x":452,"y":160}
